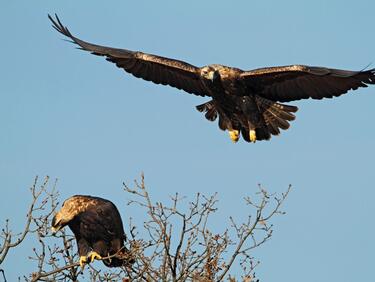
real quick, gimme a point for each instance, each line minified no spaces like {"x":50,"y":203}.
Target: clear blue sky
{"x":76,"y":117}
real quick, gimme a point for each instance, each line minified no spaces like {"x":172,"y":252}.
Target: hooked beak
{"x":54,"y":230}
{"x":55,"y":225}
{"x":213,"y":75}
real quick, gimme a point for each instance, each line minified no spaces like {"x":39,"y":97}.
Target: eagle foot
{"x":253,"y":136}
{"x":234,"y":135}
{"x":93,"y":255}
{"x":89,"y":258}
{"x":82,"y":261}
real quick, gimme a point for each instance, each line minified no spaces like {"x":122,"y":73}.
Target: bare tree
{"x":173,"y":243}
{"x":40,"y":198}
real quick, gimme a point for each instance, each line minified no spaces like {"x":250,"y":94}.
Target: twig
{"x":7,"y":245}
{"x":3,"y":273}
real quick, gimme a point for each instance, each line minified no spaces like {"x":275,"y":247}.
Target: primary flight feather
{"x":245,"y":102}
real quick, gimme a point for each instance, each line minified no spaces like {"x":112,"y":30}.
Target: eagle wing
{"x":297,"y":82}
{"x":153,"y":68}
{"x":101,"y":222}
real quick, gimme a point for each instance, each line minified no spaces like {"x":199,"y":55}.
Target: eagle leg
{"x":252,"y":135}
{"x":234,"y":135}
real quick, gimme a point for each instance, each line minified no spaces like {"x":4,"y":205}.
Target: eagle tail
{"x":122,"y":258}
{"x":209,"y":109}
{"x":212,"y":112}
{"x":263,"y":133}
{"x":276,"y":115}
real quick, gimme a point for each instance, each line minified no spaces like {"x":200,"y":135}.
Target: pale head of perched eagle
{"x":70,"y":208}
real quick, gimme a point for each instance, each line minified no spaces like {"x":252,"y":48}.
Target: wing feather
{"x":157,"y":69}
{"x":101,"y":221}
{"x":297,"y":82}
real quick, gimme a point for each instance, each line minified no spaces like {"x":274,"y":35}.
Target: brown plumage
{"x":97,"y":226}
{"x":244,"y":101}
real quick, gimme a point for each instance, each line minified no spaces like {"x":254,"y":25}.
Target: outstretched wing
{"x":153,"y":68}
{"x":297,"y":82}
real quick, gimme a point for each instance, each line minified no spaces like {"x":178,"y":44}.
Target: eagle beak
{"x":213,"y":75}
{"x":54,"y":230}
{"x":55,"y":225}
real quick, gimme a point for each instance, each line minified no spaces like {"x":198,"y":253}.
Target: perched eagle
{"x":97,"y":226}
{"x":245,"y":102}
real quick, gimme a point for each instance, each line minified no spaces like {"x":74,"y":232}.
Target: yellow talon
{"x":82,"y":261}
{"x":253,"y":136}
{"x":94,"y":255}
{"x":89,"y":258}
{"x":234,"y":135}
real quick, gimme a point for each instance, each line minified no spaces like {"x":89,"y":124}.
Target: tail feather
{"x":222,"y":123}
{"x":122,"y":258}
{"x":276,"y":115}
{"x":271,"y":125}
{"x":225,"y":123}
{"x":263,"y":133}
{"x":245,"y":134}
{"x":287,"y":108}
{"x":209,"y":109}
{"x":278,"y":120}
{"x":114,"y":262}
{"x":280,"y":112}
{"x":211,"y":114}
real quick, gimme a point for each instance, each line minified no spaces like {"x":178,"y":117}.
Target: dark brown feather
{"x":243,"y":100}
{"x":157,"y":69}
{"x":297,"y":82}
{"x":97,"y":226}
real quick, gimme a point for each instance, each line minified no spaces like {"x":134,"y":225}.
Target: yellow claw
{"x":93,"y":255}
{"x":234,"y":135}
{"x":82,"y":261}
{"x":253,"y":136}
{"x":89,"y":258}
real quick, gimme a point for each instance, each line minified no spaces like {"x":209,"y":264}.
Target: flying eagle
{"x":97,"y":227}
{"x":245,"y":102}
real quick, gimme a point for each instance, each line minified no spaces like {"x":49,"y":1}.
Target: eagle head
{"x":210,"y":73}
{"x":56,"y":223}
{"x":70,"y":208}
